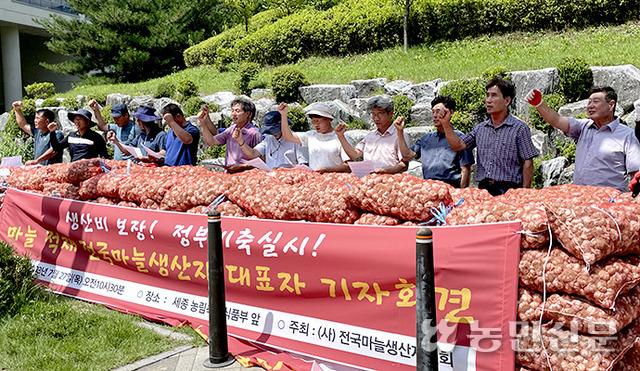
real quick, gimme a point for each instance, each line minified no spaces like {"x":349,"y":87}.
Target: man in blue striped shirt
{"x":505,"y":150}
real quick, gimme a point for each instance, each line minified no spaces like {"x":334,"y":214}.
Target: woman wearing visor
{"x":150,"y":135}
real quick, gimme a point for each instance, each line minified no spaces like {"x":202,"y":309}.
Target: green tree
{"x":130,"y":40}
{"x":406,"y":4}
{"x":243,"y":10}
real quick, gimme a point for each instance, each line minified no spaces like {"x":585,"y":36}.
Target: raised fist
{"x":399,"y":123}
{"x":534,"y":97}
{"x":634,"y":184}
{"x":94,"y":105}
{"x":204,"y":112}
{"x":17,"y":105}
{"x":283,"y":108}
{"x":341,"y":128}
{"x":237,"y":135}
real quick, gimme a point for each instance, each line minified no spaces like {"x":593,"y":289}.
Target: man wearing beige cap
{"x":325,"y":151}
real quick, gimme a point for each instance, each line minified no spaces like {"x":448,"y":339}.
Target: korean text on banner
{"x":343,"y":293}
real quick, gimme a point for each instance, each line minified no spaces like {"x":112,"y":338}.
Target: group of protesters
{"x":607,"y":151}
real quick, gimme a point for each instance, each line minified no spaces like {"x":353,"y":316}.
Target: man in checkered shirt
{"x":505,"y":151}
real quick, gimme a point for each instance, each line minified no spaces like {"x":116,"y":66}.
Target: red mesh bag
{"x":502,"y":209}
{"x":593,"y":232}
{"x":347,"y":178}
{"x":64,"y":190}
{"x":140,"y":187}
{"x":470,"y":195}
{"x":149,"y":204}
{"x":374,"y":219}
{"x":566,"y":273}
{"x":179,"y":171}
{"x":587,"y":317}
{"x":319,"y":201}
{"x":567,"y":350}
{"x":28,"y":179}
{"x":226,"y":208}
{"x":578,"y":314}
{"x":529,"y":305}
{"x":105,"y":201}
{"x":257,"y":193}
{"x":400,"y":195}
{"x":191,"y":191}
{"x":579,"y":194}
{"x":293,"y":176}
{"x":128,"y":204}
{"x":74,"y":172}
{"x":102,"y":185}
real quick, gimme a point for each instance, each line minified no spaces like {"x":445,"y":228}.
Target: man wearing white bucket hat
{"x":325,"y":151}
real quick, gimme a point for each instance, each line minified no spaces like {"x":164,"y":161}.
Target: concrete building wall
{"x":22,"y":48}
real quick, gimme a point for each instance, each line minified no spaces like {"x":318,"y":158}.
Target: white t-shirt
{"x":278,"y":152}
{"x":325,"y":150}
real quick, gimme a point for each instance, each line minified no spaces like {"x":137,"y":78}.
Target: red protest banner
{"x":342,"y":293}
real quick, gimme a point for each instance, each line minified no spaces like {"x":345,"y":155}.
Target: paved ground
{"x":181,"y":359}
{"x":184,"y":358}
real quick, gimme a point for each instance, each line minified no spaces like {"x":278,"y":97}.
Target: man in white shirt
{"x":379,"y":146}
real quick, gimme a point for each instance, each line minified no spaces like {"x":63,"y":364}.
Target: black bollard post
{"x":426,"y":339}
{"x":218,"y":346}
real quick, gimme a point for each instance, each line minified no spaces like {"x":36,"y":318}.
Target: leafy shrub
{"x":213,"y":107}
{"x":298,"y":119}
{"x":40,"y":90}
{"x":218,"y":50}
{"x":213,"y":152}
{"x":286,"y":82}
{"x":70,"y":103}
{"x":468,"y":94}
{"x":17,"y":281}
{"x":192,"y":106}
{"x":567,"y":149}
{"x":93,"y":81}
{"x":51,"y":102}
{"x":101,"y":98}
{"x":165,"y":89}
{"x":350,"y":27}
{"x":538,"y":178}
{"x":359,"y":26}
{"x":10,"y":145}
{"x":247,"y":71}
{"x":260,"y":81}
{"x":555,"y":101}
{"x":463,"y":121}
{"x":106,"y":114}
{"x":225,"y":59}
{"x":357,"y":125}
{"x":187,"y":89}
{"x":575,"y":77}
{"x":402,"y":107}
{"x":490,"y":73}
{"x":28,"y":111}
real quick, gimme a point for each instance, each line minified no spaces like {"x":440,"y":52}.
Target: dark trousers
{"x":496,"y":187}
{"x":453,"y":183}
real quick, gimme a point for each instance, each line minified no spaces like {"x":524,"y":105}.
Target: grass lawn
{"x":59,"y":333}
{"x":466,"y":58}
